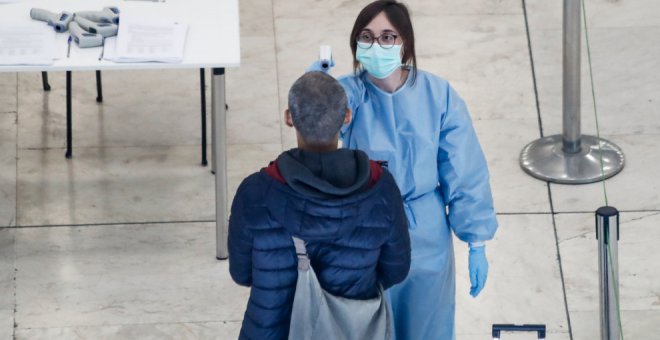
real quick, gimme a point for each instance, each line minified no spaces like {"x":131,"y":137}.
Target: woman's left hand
{"x":478,"y":265}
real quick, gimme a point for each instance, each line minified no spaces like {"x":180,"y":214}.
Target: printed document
{"x":27,"y":44}
{"x":148,"y":40}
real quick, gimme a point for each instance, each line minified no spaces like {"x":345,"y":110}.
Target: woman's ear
{"x":287,"y":118}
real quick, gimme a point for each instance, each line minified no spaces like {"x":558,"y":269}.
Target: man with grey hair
{"x":346,"y":208}
{"x":317,"y":121}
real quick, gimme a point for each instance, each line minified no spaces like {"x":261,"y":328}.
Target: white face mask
{"x":378,"y":61}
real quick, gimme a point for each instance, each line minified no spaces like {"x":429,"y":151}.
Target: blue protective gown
{"x":424,"y":132}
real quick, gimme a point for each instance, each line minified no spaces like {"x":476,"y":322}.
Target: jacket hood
{"x":321,"y":196}
{"x":339,"y":173}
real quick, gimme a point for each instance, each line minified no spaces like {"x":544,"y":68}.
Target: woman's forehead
{"x":379,"y":24}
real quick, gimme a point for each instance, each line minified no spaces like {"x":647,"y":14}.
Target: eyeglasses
{"x":385,"y":40}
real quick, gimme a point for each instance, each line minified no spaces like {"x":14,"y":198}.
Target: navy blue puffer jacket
{"x":356,"y":239}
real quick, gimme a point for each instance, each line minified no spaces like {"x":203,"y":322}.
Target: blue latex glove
{"x":316,"y":66}
{"x":478,"y":265}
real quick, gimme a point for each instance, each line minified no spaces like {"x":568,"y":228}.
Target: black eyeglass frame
{"x":373,"y":39}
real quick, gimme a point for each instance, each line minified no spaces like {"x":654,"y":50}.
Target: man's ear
{"x":349,"y":116}
{"x":287,"y":118}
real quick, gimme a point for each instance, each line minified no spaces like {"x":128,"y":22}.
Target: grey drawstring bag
{"x":318,"y":314}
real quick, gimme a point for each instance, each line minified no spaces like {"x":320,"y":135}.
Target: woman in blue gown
{"x":417,"y":122}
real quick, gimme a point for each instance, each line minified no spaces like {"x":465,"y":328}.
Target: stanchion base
{"x":545,"y":160}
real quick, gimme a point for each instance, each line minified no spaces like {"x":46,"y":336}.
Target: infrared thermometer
{"x":59,"y":21}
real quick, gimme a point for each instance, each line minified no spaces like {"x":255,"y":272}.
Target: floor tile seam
{"x":466,"y":14}
{"x":417,"y":14}
{"x":500,"y":119}
{"x":108,"y":224}
{"x":132,"y":324}
{"x":622,"y":310}
{"x":277,"y":70}
{"x":548,"y":331}
{"x":606,"y":134}
{"x":597,"y":27}
{"x":16,"y":108}
{"x":628,"y":211}
{"x":75,"y":147}
{"x":133,"y":146}
{"x":589,"y":233}
{"x":650,"y":214}
{"x":631,"y":134}
{"x":15,"y":287}
{"x":530,"y":52}
{"x":559,"y":262}
{"x":513,"y":213}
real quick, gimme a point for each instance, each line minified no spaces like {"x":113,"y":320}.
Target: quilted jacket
{"x":348,"y":210}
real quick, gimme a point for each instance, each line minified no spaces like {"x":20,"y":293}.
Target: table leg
{"x":202,"y":91}
{"x":69,"y":134}
{"x":218,"y":118}
{"x":44,"y":81}
{"x":99,"y":88}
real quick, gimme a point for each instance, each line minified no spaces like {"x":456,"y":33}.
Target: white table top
{"x":212,"y":40}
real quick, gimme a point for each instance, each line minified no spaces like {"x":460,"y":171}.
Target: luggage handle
{"x":498,"y":328}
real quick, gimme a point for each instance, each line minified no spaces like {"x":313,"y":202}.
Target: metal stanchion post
{"x":607,"y":234}
{"x":219,"y":122}
{"x":571,"y":143}
{"x":571,"y":158}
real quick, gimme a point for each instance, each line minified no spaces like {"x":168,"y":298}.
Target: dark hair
{"x":317,"y":103}
{"x":398,"y":15}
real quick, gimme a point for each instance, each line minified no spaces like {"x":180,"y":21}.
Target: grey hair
{"x":317,"y":103}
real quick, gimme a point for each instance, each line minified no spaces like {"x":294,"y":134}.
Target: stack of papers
{"x":27,"y":44}
{"x":147,"y":41}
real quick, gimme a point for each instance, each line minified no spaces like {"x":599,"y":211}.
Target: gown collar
{"x":366,"y":79}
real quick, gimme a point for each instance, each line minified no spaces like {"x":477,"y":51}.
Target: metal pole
{"x":607,"y":234}
{"x":571,"y":79}
{"x":571,"y":158}
{"x":218,"y":118}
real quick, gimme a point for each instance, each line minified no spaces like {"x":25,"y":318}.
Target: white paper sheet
{"x":140,"y":40}
{"x":27,"y":44}
{"x":109,"y":48}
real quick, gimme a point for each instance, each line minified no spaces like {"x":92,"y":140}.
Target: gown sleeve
{"x":355,"y":92}
{"x":463,"y":175}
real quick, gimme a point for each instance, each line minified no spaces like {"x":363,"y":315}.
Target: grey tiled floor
{"x":118,"y":242}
